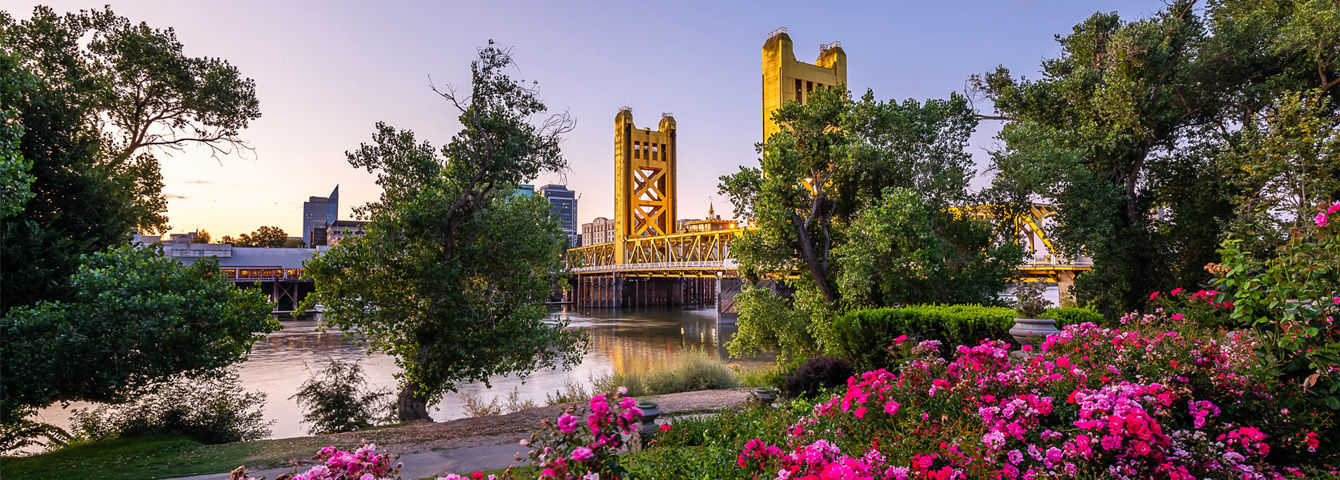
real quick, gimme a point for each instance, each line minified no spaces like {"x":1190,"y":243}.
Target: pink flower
{"x":891,"y":407}
{"x":567,"y":423}
{"x":1175,"y":291}
{"x":581,"y":454}
{"x":900,"y":339}
{"x":1177,"y":316}
{"x":860,"y":412}
{"x":1321,"y":219}
{"x":1335,"y":207}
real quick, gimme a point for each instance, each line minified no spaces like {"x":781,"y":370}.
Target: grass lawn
{"x":154,"y":457}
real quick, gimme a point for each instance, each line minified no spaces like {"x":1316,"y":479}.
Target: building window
{"x":798,"y":91}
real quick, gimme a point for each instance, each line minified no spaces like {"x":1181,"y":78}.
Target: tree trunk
{"x":811,"y":259}
{"x":410,"y":407}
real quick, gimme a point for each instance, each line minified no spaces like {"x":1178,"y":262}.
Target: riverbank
{"x":428,"y":449}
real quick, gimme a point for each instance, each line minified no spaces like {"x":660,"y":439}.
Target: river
{"x":622,"y":341}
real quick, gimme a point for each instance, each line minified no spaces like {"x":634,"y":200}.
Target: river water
{"x":622,"y":341}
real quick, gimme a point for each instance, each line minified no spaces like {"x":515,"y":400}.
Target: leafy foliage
{"x":815,"y":375}
{"x":14,"y":177}
{"x":212,"y":409}
{"x":1292,"y":299}
{"x":452,"y":262}
{"x":898,"y":251}
{"x":264,"y":237}
{"x":1072,"y":316}
{"x":1138,"y":129}
{"x":338,"y":400}
{"x":1028,"y":300}
{"x":97,"y":97}
{"x":865,"y":336}
{"x":135,"y":317}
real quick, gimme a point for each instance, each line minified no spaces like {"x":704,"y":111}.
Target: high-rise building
{"x":563,"y":205}
{"x":524,"y":190}
{"x":786,"y":79}
{"x":319,"y":212}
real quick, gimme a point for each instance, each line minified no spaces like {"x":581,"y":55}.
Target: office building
{"x":318,"y":212}
{"x":563,"y":205}
{"x":598,"y":231}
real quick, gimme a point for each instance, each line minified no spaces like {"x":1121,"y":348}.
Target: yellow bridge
{"x":651,"y":262}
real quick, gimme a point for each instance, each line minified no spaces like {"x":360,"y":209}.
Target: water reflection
{"x":622,"y":340}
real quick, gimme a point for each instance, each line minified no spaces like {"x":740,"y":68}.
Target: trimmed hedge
{"x":1073,"y":316}
{"x":863,"y":336}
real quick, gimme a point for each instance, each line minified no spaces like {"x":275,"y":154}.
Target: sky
{"x":326,"y":72}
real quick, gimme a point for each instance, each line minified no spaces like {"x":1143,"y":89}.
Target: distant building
{"x":563,"y":205}
{"x":524,"y":190}
{"x":713,"y":222}
{"x":344,"y":229}
{"x":319,"y":212}
{"x":598,"y":231}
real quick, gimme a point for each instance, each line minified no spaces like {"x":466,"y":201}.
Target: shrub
{"x":633,"y":382}
{"x":863,"y":336}
{"x":695,"y":370}
{"x":816,"y":375}
{"x":1073,"y":316}
{"x":1293,"y":298}
{"x":475,"y":406}
{"x":770,"y":376}
{"x":1028,"y":301}
{"x":212,"y":408}
{"x":1142,"y":401}
{"x":338,"y":400}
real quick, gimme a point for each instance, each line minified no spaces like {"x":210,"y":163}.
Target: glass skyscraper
{"x":563,"y":205}
{"x":318,"y":212}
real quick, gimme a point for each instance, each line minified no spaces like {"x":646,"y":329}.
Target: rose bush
{"x":1131,"y":402}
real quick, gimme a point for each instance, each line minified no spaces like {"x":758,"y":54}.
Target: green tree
{"x":106,"y":95}
{"x":1129,"y":131}
{"x":1283,"y":169}
{"x":820,"y":189}
{"x":134,"y":317}
{"x":201,"y":236}
{"x":899,"y":252}
{"x":451,"y":277}
{"x":263,"y":237}
{"x":14,"y":177}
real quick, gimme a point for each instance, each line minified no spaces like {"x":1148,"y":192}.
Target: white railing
{"x":712,"y":265}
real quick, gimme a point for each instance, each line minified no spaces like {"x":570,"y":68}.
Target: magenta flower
{"x":1320,"y":219}
{"x":1153,"y":295}
{"x":581,"y":454}
{"x":567,"y":423}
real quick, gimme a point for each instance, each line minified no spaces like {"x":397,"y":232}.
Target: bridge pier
{"x":726,"y":290}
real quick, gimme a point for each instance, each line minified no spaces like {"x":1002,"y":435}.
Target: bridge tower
{"x":644,"y":180}
{"x":786,"y":79}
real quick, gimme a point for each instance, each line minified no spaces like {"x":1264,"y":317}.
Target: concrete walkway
{"x":475,"y":448}
{"x":430,"y":464}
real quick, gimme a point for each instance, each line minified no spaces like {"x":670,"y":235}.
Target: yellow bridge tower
{"x":786,"y":79}
{"x":644,"y":180}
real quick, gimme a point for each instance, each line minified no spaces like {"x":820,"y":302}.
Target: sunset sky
{"x":325,"y":72}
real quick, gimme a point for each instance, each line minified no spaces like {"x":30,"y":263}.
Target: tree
{"x":1129,"y":129}
{"x":228,"y":239}
{"x":338,"y":399}
{"x":134,"y":316}
{"x":451,"y":275}
{"x":899,"y":252}
{"x":14,"y":177}
{"x":105,"y":95}
{"x":201,"y":236}
{"x":294,"y":243}
{"x":263,"y":237}
{"x":818,"y":201}
{"x":1283,"y":169}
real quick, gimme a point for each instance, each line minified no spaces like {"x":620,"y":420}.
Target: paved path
{"x":430,"y":464}
{"x":497,"y":450}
